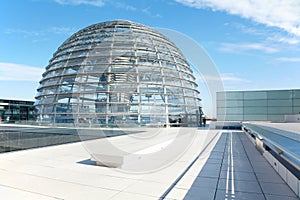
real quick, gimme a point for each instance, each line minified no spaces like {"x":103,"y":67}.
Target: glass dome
{"x":118,"y":72}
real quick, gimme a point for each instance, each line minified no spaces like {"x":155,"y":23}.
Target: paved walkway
{"x":228,"y":168}
{"x":234,"y":170}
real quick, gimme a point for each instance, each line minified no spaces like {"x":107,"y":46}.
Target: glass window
{"x":239,"y":110}
{"x":234,"y":95}
{"x":255,"y":95}
{"x":255,"y":102}
{"x":255,"y":110}
{"x":296,"y":102}
{"x":297,"y":94}
{"x":234,"y":103}
{"x":279,"y":118}
{"x":284,"y":94}
{"x":232,"y":117}
{"x":256,"y":117}
{"x":296,"y":110}
{"x":280,"y":110}
{"x":287,"y":102}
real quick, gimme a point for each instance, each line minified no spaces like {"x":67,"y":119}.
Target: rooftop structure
{"x":118,"y":72}
{"x":263,"y":105}
{"x":12,"y":111}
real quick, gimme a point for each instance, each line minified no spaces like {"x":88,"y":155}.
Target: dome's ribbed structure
{"x":118,"y":72}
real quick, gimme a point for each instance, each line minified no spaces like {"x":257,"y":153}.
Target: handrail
{"x":270,"y":129}
{"x":279,"y":149}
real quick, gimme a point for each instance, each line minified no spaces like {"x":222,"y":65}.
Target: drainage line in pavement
{"x":187,"y":169}
{"x":226,"y":146}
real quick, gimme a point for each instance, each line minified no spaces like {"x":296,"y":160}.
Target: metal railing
{"x":281,"y":144}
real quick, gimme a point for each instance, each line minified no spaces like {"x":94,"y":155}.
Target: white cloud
{"x":284,"y":14}
{"x":18,"y":72}
{"x":148,"y":12}
{"x":231,"y":77}
{"x":114,"y":3}
{"x":62,"y":30}
{"x":98,"y":3}
{"x":25,"y":33}
{"x":287,"y":40}
{"x":251,"y":30}
{"x":232,"y":47}
{"x":288,"y":59}
{"x":225,"y":77}
{"x":123,"y":6}
{"x":40,"y":33}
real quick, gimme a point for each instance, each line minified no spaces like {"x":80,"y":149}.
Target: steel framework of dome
{"x":118,"y":72}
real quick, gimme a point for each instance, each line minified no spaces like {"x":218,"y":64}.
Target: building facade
{"x":118,"y":72}
{"x":267,"y":105}
{"x":12,"y":111}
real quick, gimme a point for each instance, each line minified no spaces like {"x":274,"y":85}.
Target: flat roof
{"x":259,"y":90}
{"x":217,"y":165}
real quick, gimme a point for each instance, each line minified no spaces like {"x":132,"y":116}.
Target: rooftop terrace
{"x":219,"y":164}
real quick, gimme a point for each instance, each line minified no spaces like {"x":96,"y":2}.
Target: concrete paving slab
{"x":200,"y":182}
{"x":241,"y":168}
{"x":240,"y":186}
{"x":278,"y":197}
{"x":177,"y":193}
{"x":200,"y":193}
{"x":277,"y":189}
{"x":213,"y":161}
{"x":132,"y":196}
{"x":17,"y":194}
{"x":242,"y":176}
{"x":209,"y":173}
{"x":269,"y":177}
{"x":228,"y":195}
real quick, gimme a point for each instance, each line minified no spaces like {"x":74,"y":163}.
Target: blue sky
{"x":254,"y":44}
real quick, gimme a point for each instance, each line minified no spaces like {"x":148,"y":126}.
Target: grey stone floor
{"x":236,"y":170}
